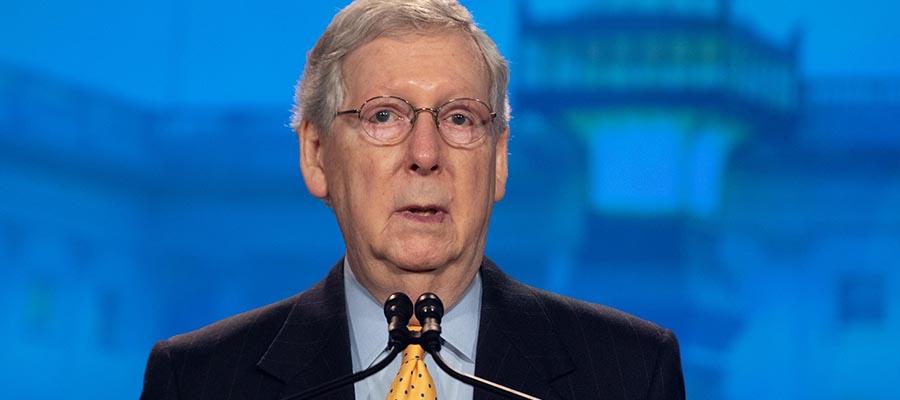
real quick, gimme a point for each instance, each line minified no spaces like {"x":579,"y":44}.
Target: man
{"x":402,"y":122}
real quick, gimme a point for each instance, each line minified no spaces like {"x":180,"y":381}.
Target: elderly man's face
{"x":422,"y":204}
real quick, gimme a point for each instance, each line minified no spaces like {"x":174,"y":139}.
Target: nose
{"x":425,"y":144}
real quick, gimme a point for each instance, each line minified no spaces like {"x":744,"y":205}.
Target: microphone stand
{"x":434,"y":348}
{"x":348,"y":379}
{"x":477,"y":382}
{"x":398,"y":309}
{"x":429,"y":311}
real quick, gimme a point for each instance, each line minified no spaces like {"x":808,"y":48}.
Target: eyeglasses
{"x":387,"y":120}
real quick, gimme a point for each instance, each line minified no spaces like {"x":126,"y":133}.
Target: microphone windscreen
{"x":429,"y":305}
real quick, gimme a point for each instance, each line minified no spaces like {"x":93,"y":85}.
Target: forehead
{"x":419,"y":67}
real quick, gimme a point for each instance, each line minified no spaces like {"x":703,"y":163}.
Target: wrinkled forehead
{"x":427,"y":52}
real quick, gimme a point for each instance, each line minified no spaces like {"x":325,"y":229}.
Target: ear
{"x":311,"y":156}
{"x":501,"y":171}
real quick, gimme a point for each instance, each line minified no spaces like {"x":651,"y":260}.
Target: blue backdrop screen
{"x":727,"y":169}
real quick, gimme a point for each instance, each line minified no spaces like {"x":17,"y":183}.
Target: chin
{"x":420,"y":257}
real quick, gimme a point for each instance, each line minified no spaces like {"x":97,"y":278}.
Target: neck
{"x":449,"y":282}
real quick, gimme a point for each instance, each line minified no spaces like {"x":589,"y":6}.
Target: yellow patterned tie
{"x":413,"y":381}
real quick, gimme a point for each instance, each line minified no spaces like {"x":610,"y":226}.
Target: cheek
{"x":368,"y":184}
{"x":477,"y":185}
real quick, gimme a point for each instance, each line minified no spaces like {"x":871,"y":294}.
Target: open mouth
{"x":425,"y":213}
{"x":422,"y":210}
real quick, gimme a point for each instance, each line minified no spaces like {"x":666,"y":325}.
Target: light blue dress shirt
{"x":368,"y":340}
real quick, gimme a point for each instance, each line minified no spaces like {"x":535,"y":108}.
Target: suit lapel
{"x":313,"y":345}
{"x":517,"y":344}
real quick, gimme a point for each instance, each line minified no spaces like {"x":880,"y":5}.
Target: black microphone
{"x":430,"y":311}
{"x":398,"y":309}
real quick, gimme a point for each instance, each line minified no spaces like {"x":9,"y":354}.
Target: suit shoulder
{"x":568,"y":311}
{"x":572,"y":317}
{"x":182,"y":363}
{"x":260,"y":324}
{"x":602,"y":349}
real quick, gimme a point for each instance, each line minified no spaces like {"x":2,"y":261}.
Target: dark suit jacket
{"x":540,"y":343}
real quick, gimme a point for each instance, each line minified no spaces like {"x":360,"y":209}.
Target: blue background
{"x":729,"y":169}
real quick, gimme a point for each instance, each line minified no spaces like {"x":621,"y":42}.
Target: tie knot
{"x":413,"y":352}
{"x":413,"y":380}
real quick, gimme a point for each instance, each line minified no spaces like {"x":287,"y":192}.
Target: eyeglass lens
{"x":389,"y":119}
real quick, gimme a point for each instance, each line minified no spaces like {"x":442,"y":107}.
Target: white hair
{"x":320,"y":90}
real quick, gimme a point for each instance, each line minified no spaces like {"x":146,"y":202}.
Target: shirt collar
{"x":368,"y":329}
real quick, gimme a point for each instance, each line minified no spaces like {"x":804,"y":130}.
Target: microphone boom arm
{"x":398,"y":309}
{"x":477,"y":382}
{"x":347,"y":380}
{"x":429,"y":311}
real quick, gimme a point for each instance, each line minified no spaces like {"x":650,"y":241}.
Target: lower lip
{"x":435,"y":218}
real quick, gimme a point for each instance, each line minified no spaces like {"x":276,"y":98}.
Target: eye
{"x":460,"y":119}
{"x":383,"y":116}
{"x":463,"y":113}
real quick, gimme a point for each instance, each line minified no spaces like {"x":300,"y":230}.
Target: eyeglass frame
{"x":434,"y":111}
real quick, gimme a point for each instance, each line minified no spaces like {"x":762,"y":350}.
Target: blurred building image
{"x":810,"y":234}
{"x":650,"y":100}
{"x":666,"y":159}
{"x":122,"y":225}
